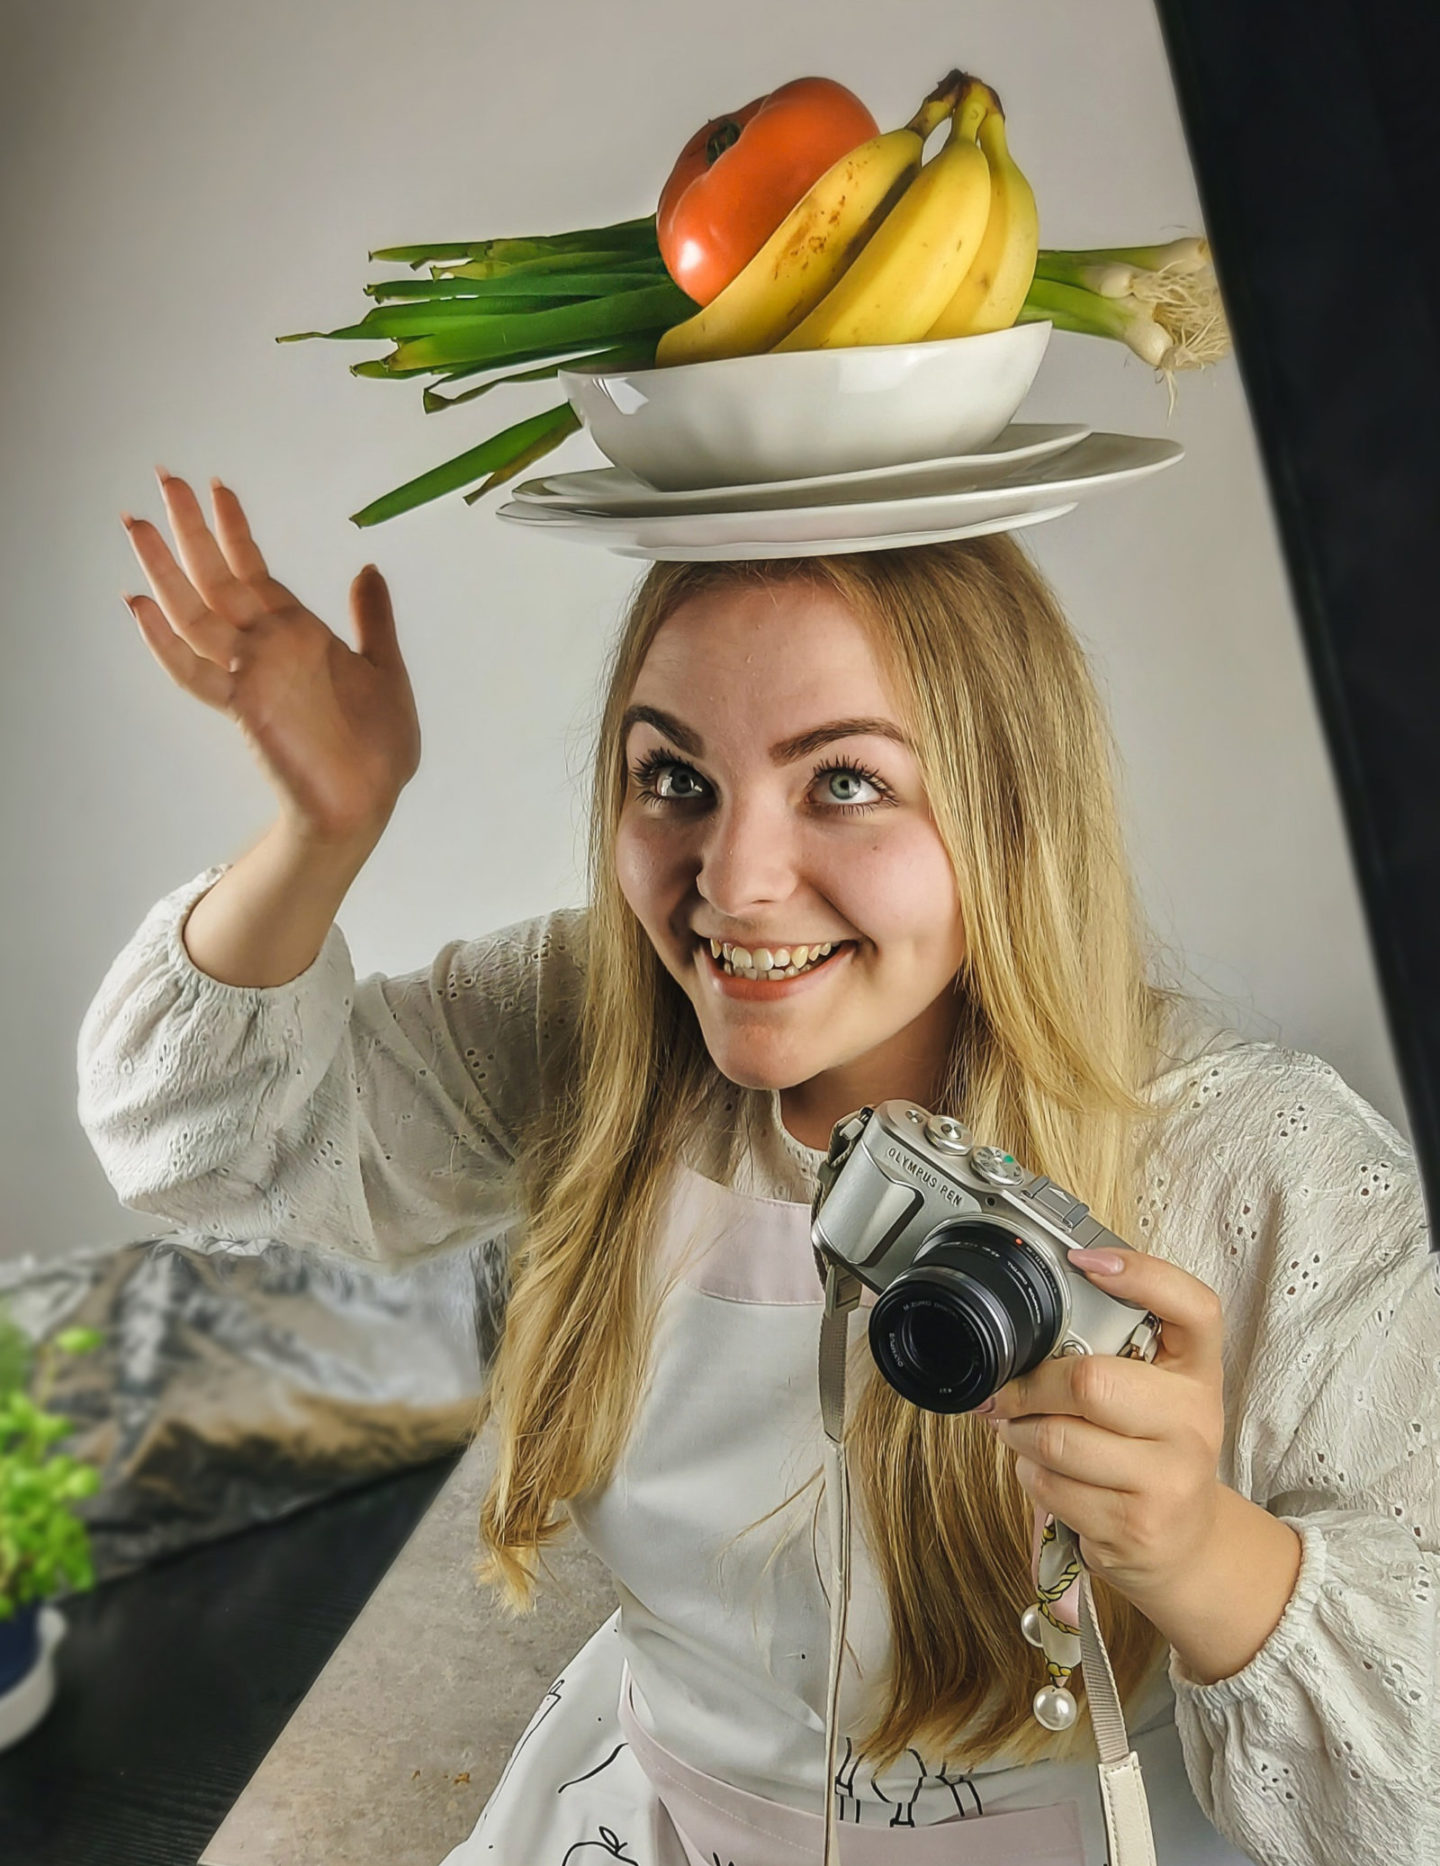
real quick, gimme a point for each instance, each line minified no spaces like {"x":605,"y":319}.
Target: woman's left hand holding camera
{"x":1126,"y":1452}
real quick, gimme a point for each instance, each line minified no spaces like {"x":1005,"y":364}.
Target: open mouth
{"x":771,"y":965}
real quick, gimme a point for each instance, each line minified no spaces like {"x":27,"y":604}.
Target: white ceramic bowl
{"x":746,"y":418}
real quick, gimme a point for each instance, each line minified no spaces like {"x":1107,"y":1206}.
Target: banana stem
{"x":939,"y":104}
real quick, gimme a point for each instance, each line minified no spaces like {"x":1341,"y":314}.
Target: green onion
{"x":519,"y":284}
{"x":499,"y":336}
{"x":630,"y":234}
{"x":616,"y":260}
{"x":1070,"y":307}
{"x":565,"y":423}
{"x":1112,"y":270}
{"x":433,"y":401}
{"x":381,"y":368}
{"x":490,"y":457}
{"x":1169,"y":314}
{"x":636,"y":355}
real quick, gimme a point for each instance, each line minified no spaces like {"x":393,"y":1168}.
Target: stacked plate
{"x":1028,"y":474}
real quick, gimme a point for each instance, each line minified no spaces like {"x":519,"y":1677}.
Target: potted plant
{"x":44,"y":1546}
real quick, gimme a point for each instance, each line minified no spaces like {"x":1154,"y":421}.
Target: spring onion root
{"x":1162,"y":301}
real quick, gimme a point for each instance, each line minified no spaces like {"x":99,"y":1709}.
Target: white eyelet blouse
{"x":378,"y":1119}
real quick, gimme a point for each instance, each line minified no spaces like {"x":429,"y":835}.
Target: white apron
{"x":690,"y":1729}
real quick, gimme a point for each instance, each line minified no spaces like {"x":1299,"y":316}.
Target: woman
{"x":895,"y":761}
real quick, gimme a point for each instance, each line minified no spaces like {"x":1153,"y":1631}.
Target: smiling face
{"x":772,"y":804}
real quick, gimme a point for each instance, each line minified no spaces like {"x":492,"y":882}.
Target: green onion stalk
{"x":1160,"y":300}
{"x":519,"y":310}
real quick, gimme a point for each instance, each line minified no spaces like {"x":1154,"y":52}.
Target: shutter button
{"x":948,"y":1135}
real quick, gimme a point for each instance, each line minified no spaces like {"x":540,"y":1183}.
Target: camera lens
{"x":978,"y":1306}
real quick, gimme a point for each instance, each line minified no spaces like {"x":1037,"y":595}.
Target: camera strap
{"x":842,"y":1295}
{"x":1122,"y":1788}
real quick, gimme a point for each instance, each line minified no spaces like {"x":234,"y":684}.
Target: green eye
{"x":834,"y":774}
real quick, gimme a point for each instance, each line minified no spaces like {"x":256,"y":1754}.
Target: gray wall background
{"x":183,"y":180}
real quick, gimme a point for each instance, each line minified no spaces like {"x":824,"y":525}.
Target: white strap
{"x":1122,"y":1788}
{"x":842,"y":1293}
{"x":1127,"y":1813}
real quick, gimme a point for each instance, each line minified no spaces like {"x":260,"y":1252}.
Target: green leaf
{"x":378,"y":367}
{"x":17,"y":1353}
{"x":78,"y":1340}
{"x":489,"y":457}
{"x":500,"y":336}
{"x":433,"y":401}
{"x":527,"y":456}
{"x":623,"y":233}
{"x":553,"y":285}
{"x":392,"y":321}
{"x":616,"y":258}
{"x":637,"y":355}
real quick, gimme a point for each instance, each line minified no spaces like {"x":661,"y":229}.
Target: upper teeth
{"x":764,"y":960}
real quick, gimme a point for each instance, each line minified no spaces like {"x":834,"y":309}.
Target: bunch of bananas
{"x":884,"y":249}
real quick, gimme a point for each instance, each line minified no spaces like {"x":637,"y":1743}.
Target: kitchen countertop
{"x":390,"y":1757}
{"x":176,"y":1678}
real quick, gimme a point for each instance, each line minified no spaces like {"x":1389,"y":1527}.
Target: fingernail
{"x":1102,"y":1262}
{"x":162,"y":474}
{"x":989,"y":1405}
{"x":127,"y":519}
{"x":128,"y":604}
{"x":216,"y":486}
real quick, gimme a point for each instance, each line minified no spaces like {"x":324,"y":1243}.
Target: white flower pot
{"x":28,"y":1699}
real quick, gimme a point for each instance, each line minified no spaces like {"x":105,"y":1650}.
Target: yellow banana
{"x":812,"y":246}
{"x":909,"y":269}
{"x":993,"y":290}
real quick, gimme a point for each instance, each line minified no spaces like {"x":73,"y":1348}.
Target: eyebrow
{"x":785,"y":753}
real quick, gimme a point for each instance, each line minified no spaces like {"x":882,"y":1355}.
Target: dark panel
{"x":175,"y":1681}
{"x":1311,"y":132}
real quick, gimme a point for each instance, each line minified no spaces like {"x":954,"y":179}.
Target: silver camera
{"x":967,"y":1253}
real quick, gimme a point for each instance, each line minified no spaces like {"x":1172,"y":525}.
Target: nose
{"x":749,"y":857}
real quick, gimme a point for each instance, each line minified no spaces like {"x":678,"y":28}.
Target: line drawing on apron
{"x":590,"y":1774}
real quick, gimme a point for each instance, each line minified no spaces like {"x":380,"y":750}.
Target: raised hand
{"x":335,"y":728}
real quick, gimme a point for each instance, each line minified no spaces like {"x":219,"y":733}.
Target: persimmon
{"x":741,"y":173}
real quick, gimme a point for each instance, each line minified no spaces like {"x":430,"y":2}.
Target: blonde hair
{"x":1057,"y":1035}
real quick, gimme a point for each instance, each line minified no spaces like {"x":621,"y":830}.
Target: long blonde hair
{"x":1057,"y":1035}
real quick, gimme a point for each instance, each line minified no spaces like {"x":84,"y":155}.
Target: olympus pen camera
{"x":967,"y":1253}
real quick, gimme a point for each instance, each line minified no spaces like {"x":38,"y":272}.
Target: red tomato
{"x":739,"y":176}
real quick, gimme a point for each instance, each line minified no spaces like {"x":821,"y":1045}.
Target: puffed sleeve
{"x":1301,"y":1206}
{"x":378,"y":1120}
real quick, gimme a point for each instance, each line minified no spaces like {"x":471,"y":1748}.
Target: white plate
{"x":611,"y":488}
{"x":1106,"y":459}
{"x":816,"y":547}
